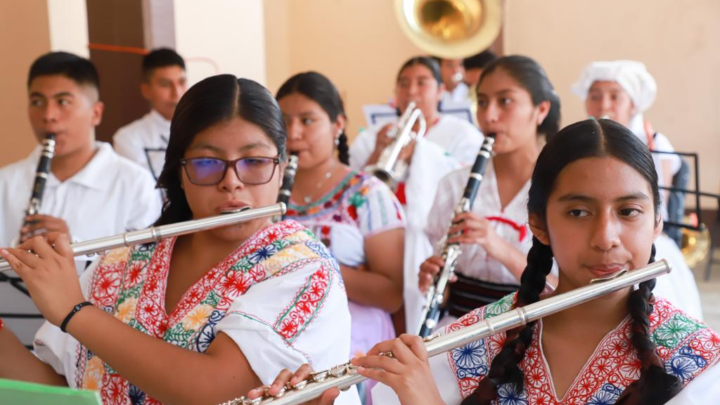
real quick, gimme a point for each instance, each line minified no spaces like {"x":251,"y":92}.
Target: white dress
{"x":456,"y":136}
{"x":144,"y":141}
{"x":110,"y":195}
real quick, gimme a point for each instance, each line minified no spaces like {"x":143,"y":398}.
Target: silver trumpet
{"x":389,"y":169}
{"x":155,"y":233}
{"x":345,"y":375}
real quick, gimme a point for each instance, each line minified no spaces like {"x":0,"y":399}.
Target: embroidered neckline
{"x":160,"y":267}
{"x":333,"y":195}
{"x":619,"y":329}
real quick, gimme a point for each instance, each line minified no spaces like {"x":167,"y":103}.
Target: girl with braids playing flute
{"x":199,"y":318}
{"x":594,"y":209}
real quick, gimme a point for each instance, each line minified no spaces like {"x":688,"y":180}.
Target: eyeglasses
{"x":205,"y":171}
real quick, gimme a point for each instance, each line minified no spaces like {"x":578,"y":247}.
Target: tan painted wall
{"x":357,"y":44}
{"x":221,"y":36}
{"x":678,"y":41}
{"x":24,"y":35}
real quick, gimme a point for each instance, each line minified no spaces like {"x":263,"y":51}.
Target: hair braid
{"x":505,"y":366}
{"x":343,"y":149}
{"x":654,"y":386}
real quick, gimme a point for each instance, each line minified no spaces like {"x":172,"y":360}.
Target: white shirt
{"x":110,"y":195}
{"x":460,"y":138}
{"x":459,"y":94}
{"x":474,"y":261}
{"x":144,"y":141}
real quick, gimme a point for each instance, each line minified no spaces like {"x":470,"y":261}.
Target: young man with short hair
{"x":164,"y":82}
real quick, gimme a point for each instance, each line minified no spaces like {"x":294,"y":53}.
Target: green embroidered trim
{"x":503,"y":305}
{"x":673,"y":332}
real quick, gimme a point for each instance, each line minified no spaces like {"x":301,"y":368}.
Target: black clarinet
{"x":452,"y":251}
{"x":288,"y":179}
{"x":41,"y":174}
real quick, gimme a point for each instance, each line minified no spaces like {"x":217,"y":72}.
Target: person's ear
{"x":543,"y":109}
{"x":145,"y":90}
{"x":97,"y":112}
{"x":538,"y":227}
{"x":340,"y":123}
{"x":659,"y":225}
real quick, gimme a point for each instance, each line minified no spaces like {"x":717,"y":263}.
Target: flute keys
{"x":300,"y":385}
{"x":320,"y":376}
{"x":281,"y":392}
{"x":338,"y":371}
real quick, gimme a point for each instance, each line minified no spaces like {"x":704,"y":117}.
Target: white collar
{"x":93,"y":175}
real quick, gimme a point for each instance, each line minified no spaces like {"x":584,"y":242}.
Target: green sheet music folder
{"x":23,"y":393}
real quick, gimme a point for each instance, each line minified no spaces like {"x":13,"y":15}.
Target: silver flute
{"x":155,"y":233}
{"x":345,"y":375}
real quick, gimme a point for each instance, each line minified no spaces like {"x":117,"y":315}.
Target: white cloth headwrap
{"x":634,"y":78}
{"x":631,"y":75}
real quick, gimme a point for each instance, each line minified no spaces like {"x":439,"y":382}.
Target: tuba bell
{"x":695,"y":243}
{"x":450,"y":28}
{"x":389,"y":168}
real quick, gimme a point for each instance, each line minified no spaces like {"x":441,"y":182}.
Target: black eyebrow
{"x":501,"y":92}
{"x":584,"y":198}
{"x":212,"y":148}
{"x":57,"y":95}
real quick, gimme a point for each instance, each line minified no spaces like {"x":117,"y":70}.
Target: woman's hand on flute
{"x":288,"y":377}
{"x":407,"y":372}
{"x":48,"y":269}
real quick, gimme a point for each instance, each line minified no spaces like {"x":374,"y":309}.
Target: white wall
{"x":221,"y":36}
{"x":69,"y":26}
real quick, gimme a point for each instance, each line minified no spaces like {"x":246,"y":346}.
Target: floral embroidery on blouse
{"x":130,"y":284}
{"x":359,"y":199}
{"x":686,"y":347}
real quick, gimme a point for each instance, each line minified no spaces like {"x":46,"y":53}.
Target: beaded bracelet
{"x":72,"y":313}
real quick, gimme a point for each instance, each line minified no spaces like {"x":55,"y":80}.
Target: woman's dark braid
{"x":343,"y":149}
{"x":505,"y":366}
{"x":654,"y":386}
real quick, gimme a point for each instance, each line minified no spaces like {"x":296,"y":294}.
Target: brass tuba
{"x":450,"y":28}
{"x":389,"y":168}
{"x":695,"y":245}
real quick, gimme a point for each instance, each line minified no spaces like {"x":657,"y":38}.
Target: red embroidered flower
{"x":107,"y":287}
{"x":289,"y":328}
{"x":352,"y":211}
{"x":114,"y":390}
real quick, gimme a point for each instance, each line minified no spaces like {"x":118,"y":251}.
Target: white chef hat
{"x":631,"y":75}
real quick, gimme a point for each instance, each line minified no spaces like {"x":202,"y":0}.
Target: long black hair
{"x":532,"y":77}
{"x":212,"y":101}
{"x":321,"y":90}
{"x":581,"y":140}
